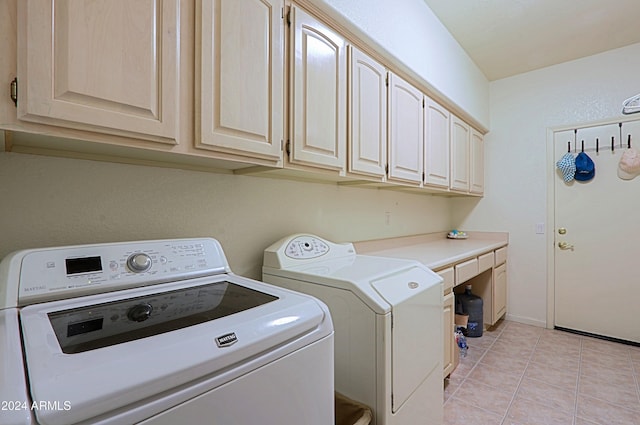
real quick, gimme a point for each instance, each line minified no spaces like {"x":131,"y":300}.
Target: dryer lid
{"x":416,"y":298}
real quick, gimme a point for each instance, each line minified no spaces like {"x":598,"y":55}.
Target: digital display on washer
{"x":83,"y":265}
{"x":102,"y":325}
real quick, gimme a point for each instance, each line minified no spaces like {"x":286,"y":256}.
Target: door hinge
{"x":423,"y":103}
{"x":288,"y":20}
{"x":423,"y":176}
{"x":288,"y":148}
{"x":14,"y":91}
{"x":386,"y":80}
{"x":386,"y":169}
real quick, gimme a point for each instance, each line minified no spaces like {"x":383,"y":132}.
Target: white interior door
{"x":597,"y":283}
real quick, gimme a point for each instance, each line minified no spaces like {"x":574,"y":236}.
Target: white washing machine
{"x":387,"y":316}
{"x":157,"y":332}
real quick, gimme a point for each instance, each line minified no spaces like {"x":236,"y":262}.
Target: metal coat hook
{"x":597,"y":144}
{"x":620,"y":128}
{"x":575,"y":139}
{"x":583,"y":146}
{"x":629,"y":141}
{"x":569,"y":146}
{"x":612,"y":141}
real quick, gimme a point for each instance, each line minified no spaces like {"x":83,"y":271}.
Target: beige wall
{"x":46,"y":201}
{"x":523,"y":109}
{"x":410,"y":32}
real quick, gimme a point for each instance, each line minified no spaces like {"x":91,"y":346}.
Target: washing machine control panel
{"x":305,"y":247}
{"x":67,"y":272}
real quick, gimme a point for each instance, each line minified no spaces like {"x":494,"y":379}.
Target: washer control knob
{"x":140,"y":312}
{"x":139,"y":262}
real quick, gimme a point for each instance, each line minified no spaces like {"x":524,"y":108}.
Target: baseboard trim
{"x":605,"y":338}
{"x":526,"y":320}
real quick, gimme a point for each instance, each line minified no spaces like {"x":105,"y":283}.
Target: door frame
{"x":551,"y":207}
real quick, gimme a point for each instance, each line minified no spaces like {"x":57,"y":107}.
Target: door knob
{"x":562,"y":231}
{"x":565,"y":245}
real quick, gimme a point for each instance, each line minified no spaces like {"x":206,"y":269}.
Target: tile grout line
{"x":515,"y":393}
{"x":577,"y":391}
{"x":474,"y":365}
{"x":634,"y":372}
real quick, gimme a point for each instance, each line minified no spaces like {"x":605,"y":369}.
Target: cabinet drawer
{"x":466,"y":270}
{"x":448,"y":276}
{"x":485,"y":262}
{"x":500,"y":256}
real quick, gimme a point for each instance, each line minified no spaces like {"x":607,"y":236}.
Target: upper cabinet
{"x":436,"y":147}
{"x":318,"y":94}
{"x":367,"y":117}
{"x":467,"y":158}
{"x":253,"y":86}
{"x":476,"y":184}
{"x":106,"y":66}
{"x":460,"y":143}
{"x":406,"y":131}
{"x":240,"y":84}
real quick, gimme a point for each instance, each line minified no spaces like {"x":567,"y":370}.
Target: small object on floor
{"x":461,"y":340}
{"x":351,"y":412}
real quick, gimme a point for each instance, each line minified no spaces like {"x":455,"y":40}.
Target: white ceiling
{"x":509,"y":37}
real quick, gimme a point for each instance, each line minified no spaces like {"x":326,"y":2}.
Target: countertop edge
{"x":494,"y":240}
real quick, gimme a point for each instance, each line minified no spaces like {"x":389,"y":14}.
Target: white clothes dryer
{"x":387,"y":316}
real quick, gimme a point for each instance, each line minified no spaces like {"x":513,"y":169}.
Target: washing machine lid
{"x":83,"y":354}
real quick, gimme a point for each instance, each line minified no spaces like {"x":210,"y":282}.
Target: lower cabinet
{"x":487,"y":275}
{"x":450,"y":354}
{"x":499,"y":292}
{"x":448,"y":321}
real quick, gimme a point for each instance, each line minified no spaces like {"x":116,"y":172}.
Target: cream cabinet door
{"x":406,"y":131}
{"x":367,"y":115}
{"x":448,"y":322}
{"x":460,"y":145}
{"x":240,"y":84}
{"x":436,"y":148}
{"x":476,"y":185}
{"x":318,"y":93}
{"x":499,"y":292}
{"x":105,"y":66}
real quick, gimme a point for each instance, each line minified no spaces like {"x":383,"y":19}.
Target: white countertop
{"x":434,"y":250}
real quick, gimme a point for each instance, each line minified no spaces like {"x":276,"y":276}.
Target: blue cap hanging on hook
{"x":585,"y":168}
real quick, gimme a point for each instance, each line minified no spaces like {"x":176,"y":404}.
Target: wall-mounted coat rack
{"x":597,"y":142}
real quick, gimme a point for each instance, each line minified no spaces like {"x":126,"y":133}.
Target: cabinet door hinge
{"x":423,"y":103}
{"x":386,"y":169}
{"x":288,"y":148}
{"x":14,"y":91}
{"x":386,"y":80}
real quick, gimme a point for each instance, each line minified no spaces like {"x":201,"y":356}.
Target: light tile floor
{"x":518,"y":374}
